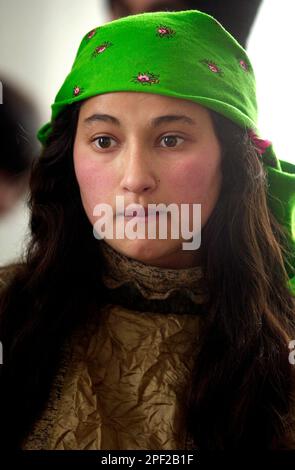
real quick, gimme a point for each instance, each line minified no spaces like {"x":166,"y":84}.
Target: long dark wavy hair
{"x":242,"y":385}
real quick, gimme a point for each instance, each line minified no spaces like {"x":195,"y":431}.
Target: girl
{"x":121,"y":343}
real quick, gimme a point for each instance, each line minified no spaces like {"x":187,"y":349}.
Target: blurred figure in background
{"x":236,"y":17}
{"x":18,"y":121}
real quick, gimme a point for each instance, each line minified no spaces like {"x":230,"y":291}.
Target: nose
{"x":139,"y":176}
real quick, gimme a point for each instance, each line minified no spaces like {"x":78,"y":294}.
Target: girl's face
{"x":150,"y":149}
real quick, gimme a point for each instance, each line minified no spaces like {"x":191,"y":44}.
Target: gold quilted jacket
{"x":124,"y":380}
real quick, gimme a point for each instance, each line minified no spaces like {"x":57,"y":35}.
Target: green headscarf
{"x":182,"y":54}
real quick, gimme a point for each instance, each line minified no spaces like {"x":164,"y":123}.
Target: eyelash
{"x":101,"y":136}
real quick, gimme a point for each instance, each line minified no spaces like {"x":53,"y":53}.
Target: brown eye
{"x":102,"y":142}
{"x":171,"y":140}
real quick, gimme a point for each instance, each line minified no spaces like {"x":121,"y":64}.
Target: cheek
{"x":197,"y":181}
{"x":95,"y":180}
{"x":194,"y":180}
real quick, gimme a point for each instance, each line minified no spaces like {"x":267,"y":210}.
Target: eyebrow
{"x":153,"y":123}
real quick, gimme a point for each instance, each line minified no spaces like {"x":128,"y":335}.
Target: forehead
{"x":135,"y":102}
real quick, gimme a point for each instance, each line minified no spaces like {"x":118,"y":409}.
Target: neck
{"x":135,"y":279}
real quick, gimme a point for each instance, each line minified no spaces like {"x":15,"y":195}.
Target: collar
{"x":142,"y":286}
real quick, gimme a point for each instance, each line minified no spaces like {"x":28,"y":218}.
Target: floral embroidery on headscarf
{"x":244,"y":65}
{"x":91,"y":33}
{"x":146,"y":78}
{"x":165,"y":32}
{"x":77,"y":90}
{"x":101,"y":48}
{"x":212,"y":66}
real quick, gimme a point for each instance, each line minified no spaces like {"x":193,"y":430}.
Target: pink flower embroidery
{"x":91,"y":34}
{"x":164,"y":31}
{"x":260,"y":144}
{"x":77,"y":90}
{"x":212,"y":66}
{"x":244,"y":65}
{"x":101,"y":48}
{"x":146,"y":78}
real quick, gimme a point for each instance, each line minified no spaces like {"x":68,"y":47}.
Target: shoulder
{"x":7,"y":273}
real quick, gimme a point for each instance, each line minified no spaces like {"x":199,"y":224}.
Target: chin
{"x":146,"y":251}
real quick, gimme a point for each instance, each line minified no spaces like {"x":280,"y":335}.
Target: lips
{"x":136,"y":212}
